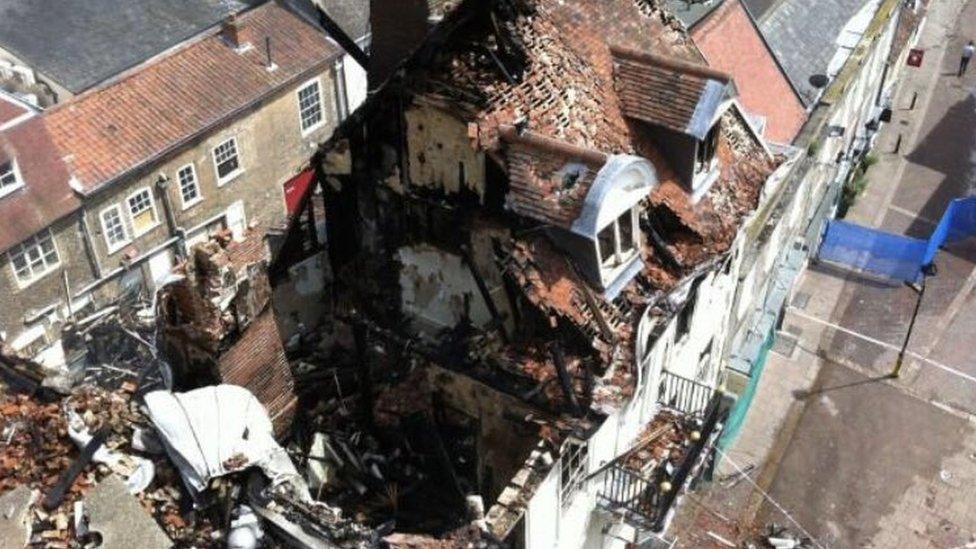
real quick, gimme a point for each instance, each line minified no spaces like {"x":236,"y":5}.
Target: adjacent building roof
{"x":690,"y":12}
{"x":759,"y":8}
{"x":352,"y":16}
{"x":806,"y":36}
{"x":12,"y":110}
{"x":110,"y":131}
{"x":79,"y":44}
{"x":45,"y":196}
{"x":731,"y":42}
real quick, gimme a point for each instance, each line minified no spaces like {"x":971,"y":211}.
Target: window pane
{"x":113,"y":227}
{"x":189,"y":190}
{"x":310,"y":105}
{"x":225,"y":156}
{"x":607,"y":246}
{"x":625,"y":224}
{"x":143,"y":222}
{"x":8,"y":177}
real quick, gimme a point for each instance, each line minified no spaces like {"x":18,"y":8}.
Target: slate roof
{"x":80,"y":44}
{"x":759,"y":8}
{"x":124,"y":126}
{"x":690,"y":12}
{"x":803,"y":35}
{"x":46,"y":196}
{"x":352,"y":16}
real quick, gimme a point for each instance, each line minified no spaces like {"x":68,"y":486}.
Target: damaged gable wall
{"x":440,"y":154}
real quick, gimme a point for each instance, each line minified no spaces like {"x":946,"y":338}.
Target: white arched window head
{"x":609,"y":214}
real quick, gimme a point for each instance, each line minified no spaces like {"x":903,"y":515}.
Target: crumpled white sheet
{"x":217,"y":430}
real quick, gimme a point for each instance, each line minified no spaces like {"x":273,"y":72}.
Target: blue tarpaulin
{"x":892,"y":255}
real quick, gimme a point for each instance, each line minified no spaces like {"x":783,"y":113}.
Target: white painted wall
{"x":433,"y":286}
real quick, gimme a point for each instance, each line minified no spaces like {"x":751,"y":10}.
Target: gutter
{"x":227,"y":119}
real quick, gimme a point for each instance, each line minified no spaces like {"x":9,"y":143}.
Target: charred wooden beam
{"x":56,"y":495}
{"x":565,"y":380}
{"x":485,"y":292}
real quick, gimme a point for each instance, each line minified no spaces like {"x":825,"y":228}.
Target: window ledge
{"x":148,"y":229}
{"x":702,"y":182}
{"x":621,"y":275}
{"x":24,"y":284}
{"x":114,"y":248}
{"x":311,"y":129}
{"x":8,"y":190}
{"x":229,"y":177}
{"x":192,"y":203}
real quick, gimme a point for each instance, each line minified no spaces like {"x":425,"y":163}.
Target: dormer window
{"x":10,"y":179}
{"x":617,"y":240}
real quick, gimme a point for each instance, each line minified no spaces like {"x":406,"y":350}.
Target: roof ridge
{"x":670,"y":62}
{"x":137,"y":69}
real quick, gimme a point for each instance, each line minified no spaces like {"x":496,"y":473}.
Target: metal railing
{"x":683,"y":395}
{"x":645,"y":500}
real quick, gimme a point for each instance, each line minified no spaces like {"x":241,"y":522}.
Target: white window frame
{"x":18,"y":180}
{"x":196,"y":183}
{"x":132,"y":218}
{"x":301,"y":116}
{"x":618,"y":257}
{"x":35,"y":240}
{"x":126,"y":233}
{"x":574,"y":466}
{"x":221,"y":181}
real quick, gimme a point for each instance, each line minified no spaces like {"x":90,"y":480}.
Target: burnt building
{"x":534,"y":225}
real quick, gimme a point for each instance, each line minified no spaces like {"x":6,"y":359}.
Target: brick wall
{"x":271,"y":151}
{"x":18,"y":299}
{"x":731,"y":43}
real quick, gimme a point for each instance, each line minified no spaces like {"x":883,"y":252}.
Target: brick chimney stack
{"x":232,"y":32}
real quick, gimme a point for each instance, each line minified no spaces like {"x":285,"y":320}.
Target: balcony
{"x":644,"y":484}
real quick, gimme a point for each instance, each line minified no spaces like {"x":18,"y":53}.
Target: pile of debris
{"x":178,"y":468}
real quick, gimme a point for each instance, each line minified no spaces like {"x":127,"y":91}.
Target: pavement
{"x":833,"y":446}
{"x":874,"y":461}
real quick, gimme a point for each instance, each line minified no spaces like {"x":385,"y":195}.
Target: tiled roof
{"x":731,"y":42}
{"x":549,"y":184}
{"x":257,"y":361}
{"x":45,"y":196}
{"x":80,"y":44}
{"x":677,"y":96}
{"x":110,"y":131}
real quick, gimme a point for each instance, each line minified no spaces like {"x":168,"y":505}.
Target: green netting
{"x":737,"y":415}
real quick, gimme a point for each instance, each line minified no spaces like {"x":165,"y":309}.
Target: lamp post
{"x":927,"y":271}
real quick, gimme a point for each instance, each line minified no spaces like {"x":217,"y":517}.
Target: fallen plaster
{"x":120,"y":520}
{"x":14,"y":513}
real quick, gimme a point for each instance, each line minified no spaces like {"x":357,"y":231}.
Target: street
{"x":876,"y":462}
{"x":835,"y":448}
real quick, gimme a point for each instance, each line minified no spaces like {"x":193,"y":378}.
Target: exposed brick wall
{"x":731,"y":43}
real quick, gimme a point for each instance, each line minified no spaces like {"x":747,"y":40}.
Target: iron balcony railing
{"x":684,"y":395}
{"x":647,"y":500}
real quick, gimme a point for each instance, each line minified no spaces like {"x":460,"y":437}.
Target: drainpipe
{"x":89,"y":246}
{"x":175,"y":231}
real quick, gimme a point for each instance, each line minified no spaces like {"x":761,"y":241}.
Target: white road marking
{"x":884,"y":344}
{"x":913,"y":215}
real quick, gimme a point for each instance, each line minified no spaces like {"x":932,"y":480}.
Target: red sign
{"x":295,"y":189}
{"x":915,"y":56}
